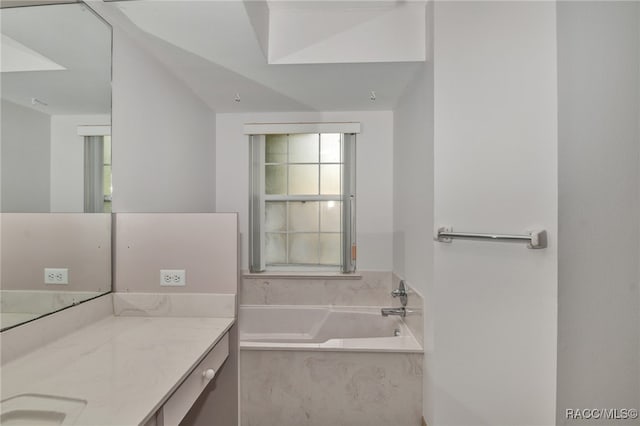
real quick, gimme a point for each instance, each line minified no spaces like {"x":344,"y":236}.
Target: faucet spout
{"x":402,"y":312}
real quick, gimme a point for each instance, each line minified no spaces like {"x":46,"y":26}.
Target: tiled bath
{"x":296,"y":388}
{"x":367,"y":288}
{"x":336,"y":387}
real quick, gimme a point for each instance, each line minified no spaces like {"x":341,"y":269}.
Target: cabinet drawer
{"x":177,"y":406}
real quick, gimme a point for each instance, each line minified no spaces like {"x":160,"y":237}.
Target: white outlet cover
{"x":56,"y":275}
{"x":173,"y":277}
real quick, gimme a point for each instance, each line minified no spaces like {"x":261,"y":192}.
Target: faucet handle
{"x":401,"y":292}
{"x":398,"y":292}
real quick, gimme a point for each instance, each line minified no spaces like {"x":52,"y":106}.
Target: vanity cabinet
{"x":179,"y":403}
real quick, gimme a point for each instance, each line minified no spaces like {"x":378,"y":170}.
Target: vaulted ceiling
{"x":220,"y":49}
{"x":303,"y":55}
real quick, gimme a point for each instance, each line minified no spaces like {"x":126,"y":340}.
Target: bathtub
{"x":325,"y":366}
{"x":323,"y":328}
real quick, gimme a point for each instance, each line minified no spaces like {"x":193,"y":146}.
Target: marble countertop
{"x":123,"y":367}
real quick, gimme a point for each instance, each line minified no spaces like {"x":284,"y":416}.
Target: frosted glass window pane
{"x":330,"y":148}
{"x":275,"y":248}
{"x":275,"y":216}
{"x":276,"y":149}
{"x":303,"y":248}
{"x":304,"y":148}
{"x":303,"y":180}
{"x":330,"y":179}
{"x":330,"y":216}
{"x":303,"y":216}
{"x":330,"y":249}
{"x":276,"y":179}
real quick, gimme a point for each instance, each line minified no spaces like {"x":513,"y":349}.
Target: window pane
{"x":303,"y":216}
{"x":106,"y":142}
{"x":276,"y":179}
{"x":330,"y":249}
{"x":303,"y":180}
{"x":330,"y":216}
{"x":106,"y":180}
{"x":303,"y":248}
{"x":276,"y":149}
{"x":330,"y":179}
{"x":330,"y":148}
{"x":275,"y":248}
{"x":275,"y":216}
{"x":304,"y":148}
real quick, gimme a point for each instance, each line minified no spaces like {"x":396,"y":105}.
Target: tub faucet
{"x":402,"y":312}
{"x":401,"y":292}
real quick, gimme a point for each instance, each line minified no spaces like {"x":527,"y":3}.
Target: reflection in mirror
{"x":55,"y":154}
{"x":51,"y":261}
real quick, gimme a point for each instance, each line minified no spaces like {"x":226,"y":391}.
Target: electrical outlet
{"x":56,"y":276}
{"x":173,"y":277}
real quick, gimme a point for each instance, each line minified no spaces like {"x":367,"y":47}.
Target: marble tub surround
{"x":370,"y":288}
{"x":175,"y":305}
{"x":415,"y":304}
{"x":123,"y":367}
{"x":284,"y":388}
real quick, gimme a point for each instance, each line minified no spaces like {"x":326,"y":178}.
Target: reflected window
{"x":106,"y":175}
{"x":97,"y":174}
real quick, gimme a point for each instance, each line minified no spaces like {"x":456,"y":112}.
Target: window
{"x":106,"y":177}
{"x":97,"y":174}
{"x":302,"y":202}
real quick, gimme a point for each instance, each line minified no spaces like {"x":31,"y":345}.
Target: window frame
{"x":258,"y":199}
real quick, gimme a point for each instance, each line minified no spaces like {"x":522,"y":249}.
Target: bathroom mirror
{"x":55,"y":154}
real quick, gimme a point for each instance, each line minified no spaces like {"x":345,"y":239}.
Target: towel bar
{"x":534,"y":239}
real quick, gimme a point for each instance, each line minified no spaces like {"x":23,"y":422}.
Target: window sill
{"x":310,"y":275}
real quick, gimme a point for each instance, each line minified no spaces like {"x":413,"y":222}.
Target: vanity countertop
{"x":123,"y":367}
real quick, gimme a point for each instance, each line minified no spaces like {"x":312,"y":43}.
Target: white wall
{"x":495,"y":171}
{"x":413,"y":182}
{"x":346,"y":34}
{"x":599,"y":208}
{"x":67,"y":160}
{"x":163,"y":137}
{"x":413,"y":206}
{"x":25,"y":159}
{"x":76,"y":241}
{"x":374,"y":169}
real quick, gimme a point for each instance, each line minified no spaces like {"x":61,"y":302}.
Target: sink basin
{"x":40,"y":410}
{"x":32,"y":418}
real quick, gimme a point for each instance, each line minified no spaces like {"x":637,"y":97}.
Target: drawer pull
{"x":209,"y":373}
